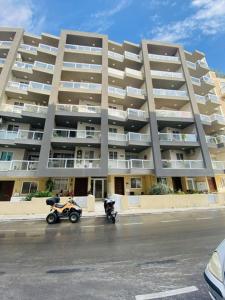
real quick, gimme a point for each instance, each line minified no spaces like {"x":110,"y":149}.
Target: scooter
{"x":70,"y":210}
{"x":109,"y":210}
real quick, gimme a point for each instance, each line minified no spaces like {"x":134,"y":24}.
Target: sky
{"x":196,"y":24}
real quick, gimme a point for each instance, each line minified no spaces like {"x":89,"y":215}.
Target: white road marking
{"x":91,"y":226}
{"x":168,"y":221}
{"x":7,"y":230}
{"x":127,"y":224}
{"x":206,"y":218}
{"x":170,"y":293}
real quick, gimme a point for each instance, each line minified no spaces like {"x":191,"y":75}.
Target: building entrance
{"x":99,"y":188}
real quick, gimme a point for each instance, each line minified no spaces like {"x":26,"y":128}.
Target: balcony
{"x":171,"y":75}
{"x":137,"y":114}
{"x":21,"y":135}
{"x":182,"y":164}
{"x":164,"y":58}
{"x":211,"y":139}
{"x":173,"y":114}
{"x":118,"y":137}
{"x":40,"y":86}
{"x":219,"y":139}
{"x":134,"y":91}
{"x":130,"y":164}
{"x":170,"y":93}
{"x":73,"y":163}
{"x":79,"y":134}
{"x":174,"y":137}
{"x":116,"y":56}
{"x":195,"y":80}
{"x":5,"y":44}
{"x":202,"y":64}
{"x":116,"y":91}
{"x":212,"y":98}
{"x":28,"y":48}
{"x":46,"y":48}
{"x":218,"y":165}
{"x":82,"y":66}
{"x":117,"y":113}
{"x":200,"y":99}
{"x":207,"y":80}
{"x":132,"y":56}
{"x":134,"y":73}
{"x":191,"y":65}
{"x":135,"y":137}
{"x":205,"y":119}
{"x":78,"y":108}
{"x":18,"y":86}
{"x":44,"y":66}
{"x":18,"y":165}
{"x":83,"y":48}
{"x":23,"y":66}
{"x":116,"y":72}
{"x":81,"y":85}
{"x":2,"y":61}
{"x":30,"y":108}
{"x":218,"y":119}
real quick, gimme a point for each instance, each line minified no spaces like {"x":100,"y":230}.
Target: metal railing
{"x":182,"y":164}
{"x":174,"y":113}
{"x":83,"y":48}
{"x":18,"y":165}
{"x":165,"y":92}
{"x":73,"y":163}
{"x":22,"y":65}
{"x":220,"y":139}
{"x":115,"y":55}
{"x":167,"y":74}
{"x":164,"y":57}
{"x":28,"y":48}
{"x":39,"y":64}
{"x":81,"y":85}
{"x":48,"y":48}
{"x":78,"y":108}
{"x":80,"y":134}
{"x":21,"y":134}
{"x":18,"y":85}
{"x":179,"y":137}
{"x":40,"y":86}
{"x":26,"y":107}
{"x":82,"y":66}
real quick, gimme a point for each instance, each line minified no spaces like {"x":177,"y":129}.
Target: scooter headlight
{"x":214,"y":266}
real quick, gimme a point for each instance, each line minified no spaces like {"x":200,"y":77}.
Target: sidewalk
{"x":100,"y":213}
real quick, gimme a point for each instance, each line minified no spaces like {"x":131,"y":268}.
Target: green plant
{"x":159,"y":189}
{"x":49,"y":185}
{"x":38,"y":195}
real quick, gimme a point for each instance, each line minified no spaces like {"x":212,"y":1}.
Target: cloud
{"x":102,"y":20}
{"x":207,"y":19}
{"x":21,"y":13}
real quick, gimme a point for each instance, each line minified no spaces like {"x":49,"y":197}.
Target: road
{"x":94,"y":260}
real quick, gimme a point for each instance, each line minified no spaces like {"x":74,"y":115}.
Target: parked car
{"x":214,"y":273}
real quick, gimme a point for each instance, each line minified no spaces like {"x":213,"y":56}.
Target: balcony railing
{"x":26,"y":108}
{"x":212,"y":98}
{"x":182,"y":164}
{"x":117,"y":113}
{"x":117,"y":91}
{"x":218,"y":118}
{"x":164,"y":57}
{"x":118,"y":164}
{"x":132,"y":56}
{"x":83,"y":48}
{"x":81,"y":66}
{"x":203,"y":64}
{"x":137,"y":113}
{"x":200,"y":99}
{"x":211,"y":139}
{"x":41,"y":65}
{"x":195,"y":80}
{"x":80,"y":134}
{"x":218,"y":165}
{"x":139,"y":137}
{"x":48,"y":48}
{"x":18,"y":85}
{"x":5,"y":43}
{"x":176,"y":137}
{"x":219,"y":139}
{"x":40,"y":86}
{"x":120,"y":137}
{"x":73,"y":163}
{"x":115,"y":72}
{"x":28,"y":48}
{"x":207,"y":80}
{"x":205,"y":119}
{"x":22,"y":65}
{"x":165,"y":92}
{"x":21,"y":135}
{"x":115,"y":55}
{"x":18,"y":165}
{"x":135,"y":91}
{"x":173,"y":114}
{"x":2,"y":61}
{"x":191,"y":64}
{"x":167,"y":74}
{"x":78,"y":108}
{"x":134,"y":72}
{"x":81,"y":85}
{"x":130,"y":164}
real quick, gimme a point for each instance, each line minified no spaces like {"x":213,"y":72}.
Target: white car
{"x":214,"y":273}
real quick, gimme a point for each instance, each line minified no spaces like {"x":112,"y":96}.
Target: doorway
{"x":99,"y":188}
{"x":119,"y":185}
{"x":177,"y":185}
{"x":212,"y":184}
{"x":81,"y":186}
{"x":6,"y":190}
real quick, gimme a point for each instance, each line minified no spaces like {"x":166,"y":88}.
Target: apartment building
{"x":91,"y":114}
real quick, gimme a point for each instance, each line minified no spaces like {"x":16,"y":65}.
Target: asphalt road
{"x":95,"y":260}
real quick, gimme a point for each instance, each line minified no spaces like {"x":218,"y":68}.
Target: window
{"x":60,"y":184}
{"x":19,"y":103}
{"x":113,"y":107}
{"x":12,"y":127}
{"x":191,"y":184}
{"x":6,"y":155}
{"x":136,"y":183}
{"x":113,"y":130}
{"x":180,"y":156}
{"x":113,"y":155}
{"x":90,"y":131}
{"x":162,"y":180}
{"x":29,"y":187}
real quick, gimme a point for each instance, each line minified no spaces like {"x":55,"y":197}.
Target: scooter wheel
{"x":74,"y":217}
{"x":51,"y":218}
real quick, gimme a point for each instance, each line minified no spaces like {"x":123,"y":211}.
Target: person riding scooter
{"x":109,"y":210}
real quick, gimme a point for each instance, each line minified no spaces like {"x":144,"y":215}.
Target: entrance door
{"x":99,"y":187}
{"x":212,"y":184}
{"x":81,"y":186}
{"x":177,"y":185}
{"x":6,"y":190}
{"x":119,"y":185}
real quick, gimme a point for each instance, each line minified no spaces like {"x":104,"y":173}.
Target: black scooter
{"x":109,"y":210}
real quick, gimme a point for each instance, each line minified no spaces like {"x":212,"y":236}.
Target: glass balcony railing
{"x":173,"y":114}
{"x":118,"y":164}
{"x":211,"y":139}
{"x":164,"y":57}
{"x":219,"y":139}
{"x":218,"y":118}
{"x":78,"y":108}
{"x":212,"y":98}
{"x":28,"y":48}
{"x":120,"y":137}
{"x":191,"y":64}
{"x":72,"y":65}
{"x":137,"y":113}
{"x":48,"y":48}
{"x":116,"y":56}
{"x":40,"y":86}
{"x":205,"y":119}
{"x":195,"y":80}
{"x":207,"y":80}
{"x":80,"y":134}
{"x":81,"y":85}
{"x":182,"y":164}
{"x":73,"y":163}
{"x":141,"y":164}
{"x":18,"y":85}
{"x":139,"y":137}
{"x":44,"y":66}
{"x":5,"y":44}
{"x":200,"y":99}
{"x":218,"y":165}
{"x":2,"y":61}
{"x":137,"y":73}
{"x":176,"y":137}
{"x":113,"y":71}
{"x":135,"y":91}
{"x":132,"y":56}
{"x":165,"y":92}
{"x":18,"y":165}
{"x":26,"y":108}
{"x":22,"y":65}
{"x":167,"y":74}
{"x":117,"y":113}
{"x":83,"y":48}
{"x":203,"y":64}
{"x":21,"y":134}
{"x":117,"y":91}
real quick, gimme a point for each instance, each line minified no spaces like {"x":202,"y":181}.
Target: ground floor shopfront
{"x":100,"y":187}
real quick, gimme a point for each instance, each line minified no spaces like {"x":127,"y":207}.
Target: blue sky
{"x":196,"y":24}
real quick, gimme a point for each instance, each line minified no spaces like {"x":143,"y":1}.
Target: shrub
{"x":49,"y":185}
{"x":159,"y":189}
{"x":38,"y":194}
